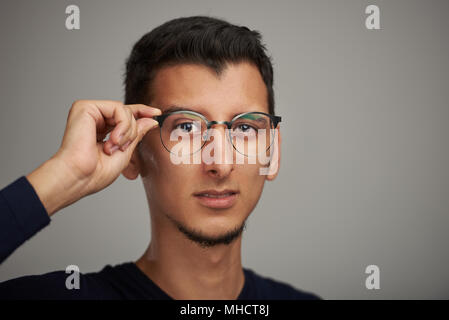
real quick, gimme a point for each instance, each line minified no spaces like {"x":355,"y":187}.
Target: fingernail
{"x":113,"y":149}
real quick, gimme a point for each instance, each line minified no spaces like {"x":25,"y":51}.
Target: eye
{"x":245,"y":128}
{"x":189,"y":127}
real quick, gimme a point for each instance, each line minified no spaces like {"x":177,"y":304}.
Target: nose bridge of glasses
{"x":210,"y":124}
{"x":226,"y":123}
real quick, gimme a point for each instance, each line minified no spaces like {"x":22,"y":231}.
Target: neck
{"x":185,"y":270}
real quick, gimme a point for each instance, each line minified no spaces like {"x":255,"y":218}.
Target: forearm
{"x":56,"y":185}
{"x":21,"y":215}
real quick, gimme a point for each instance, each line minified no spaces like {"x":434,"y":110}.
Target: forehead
{"x":239,"y":88}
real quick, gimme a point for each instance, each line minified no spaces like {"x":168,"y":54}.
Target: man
{"x":200,"y":76}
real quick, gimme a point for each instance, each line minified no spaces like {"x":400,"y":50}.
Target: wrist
{"x":56,"y":185}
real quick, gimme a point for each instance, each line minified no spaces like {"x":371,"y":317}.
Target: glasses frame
{"x":274,"y":120}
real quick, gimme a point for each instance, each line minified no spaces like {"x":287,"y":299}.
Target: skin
{"x":85,"y":164}
{"x":179,"y":266}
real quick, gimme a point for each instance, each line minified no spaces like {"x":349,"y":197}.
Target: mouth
{"x":217,"y":199}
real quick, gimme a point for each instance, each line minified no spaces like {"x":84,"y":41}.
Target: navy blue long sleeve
{"x":22,"y":215}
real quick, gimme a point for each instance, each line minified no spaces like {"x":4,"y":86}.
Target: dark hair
{"x":204,"y":40}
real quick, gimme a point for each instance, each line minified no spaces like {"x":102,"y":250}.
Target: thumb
{"x":143,"y":126}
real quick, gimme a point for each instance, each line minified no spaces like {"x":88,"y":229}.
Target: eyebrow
{"x":174,"y":108}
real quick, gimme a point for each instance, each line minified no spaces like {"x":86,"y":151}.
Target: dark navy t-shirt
{"x":22,"y":215}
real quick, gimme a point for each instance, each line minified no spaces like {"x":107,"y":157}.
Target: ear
{"x":132,"y":170}
{"x":276,"y":159}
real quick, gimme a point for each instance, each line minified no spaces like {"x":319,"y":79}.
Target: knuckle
{"x":77,"y":107}
{"x":130,"y":114}
{"x":81,"y":105}
{"x":122,"y":112}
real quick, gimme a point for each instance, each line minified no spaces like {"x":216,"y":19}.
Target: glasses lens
{"x":252,"y":134}
{"x":182,"y":132}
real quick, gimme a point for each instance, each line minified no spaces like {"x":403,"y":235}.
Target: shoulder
{"x":260,"y":287}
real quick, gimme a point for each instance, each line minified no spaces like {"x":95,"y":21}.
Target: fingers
{"x":126,"y":130}
{"x":115,"y":118}
{"x":138,"y":130}
{"x":142,"y":126}
{"x":143,"y":111}
{"x":131,"y":134}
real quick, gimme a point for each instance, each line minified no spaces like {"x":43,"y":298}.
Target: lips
{"x":217,"y":199}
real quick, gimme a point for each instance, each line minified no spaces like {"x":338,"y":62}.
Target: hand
{"x":86,"y":164}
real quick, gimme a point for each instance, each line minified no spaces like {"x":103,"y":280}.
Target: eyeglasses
{"x":248,"y":132}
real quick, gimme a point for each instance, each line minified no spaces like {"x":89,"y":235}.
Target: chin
{"x":210,"y":230}
{"x":221,"y":220}
{"x":214,"y":229}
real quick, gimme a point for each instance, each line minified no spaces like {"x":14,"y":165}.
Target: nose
{"x":217,"y":154}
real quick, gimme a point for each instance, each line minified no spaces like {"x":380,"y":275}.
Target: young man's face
{"x":172,"y":188}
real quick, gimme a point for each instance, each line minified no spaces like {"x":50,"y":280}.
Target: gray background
{"x":364,"y":176}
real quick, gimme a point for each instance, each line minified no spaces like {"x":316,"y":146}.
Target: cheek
{"x":164,"y":180}
{"x":151,"y":165}
{"x":149,"y":154}
{"x":251,"y":182}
